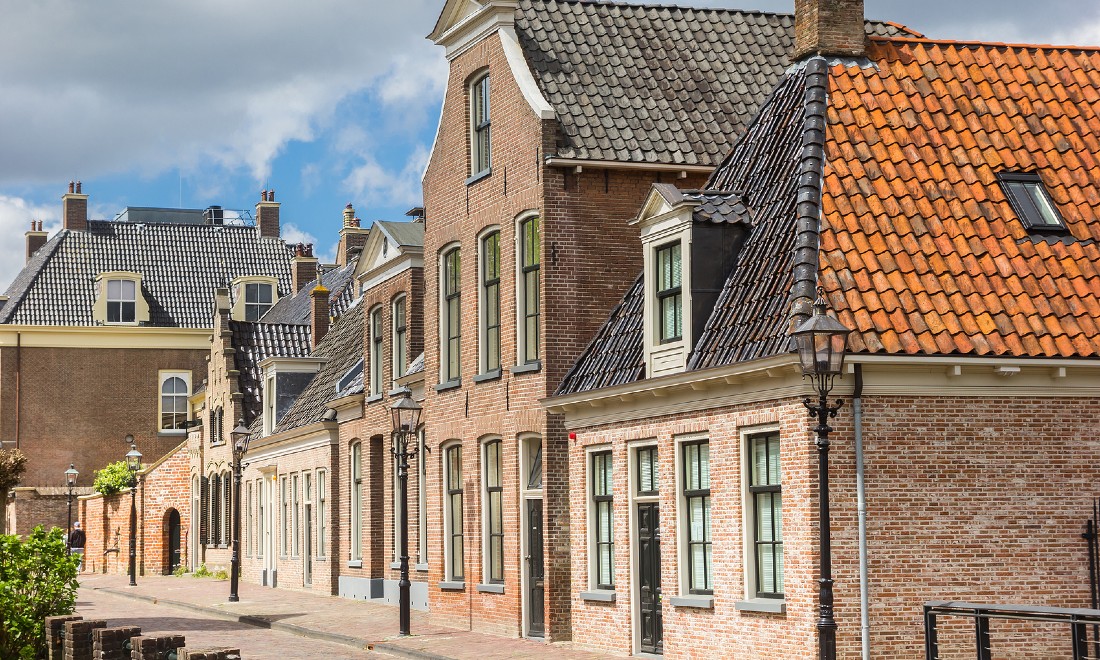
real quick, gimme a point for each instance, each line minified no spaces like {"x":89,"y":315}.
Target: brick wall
{"x":30,"y":507}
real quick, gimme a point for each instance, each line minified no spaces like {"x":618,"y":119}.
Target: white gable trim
{"x":522,"y":74}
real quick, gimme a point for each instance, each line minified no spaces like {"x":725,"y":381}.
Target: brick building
{"x":943,"y":195}
{"x":124,"y":301}
{"x":557,"y":119}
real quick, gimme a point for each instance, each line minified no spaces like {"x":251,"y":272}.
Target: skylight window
{"x":350,"y":376}
{"x":1031,"y":201}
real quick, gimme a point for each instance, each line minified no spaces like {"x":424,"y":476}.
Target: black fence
{"x":1077,"y":622}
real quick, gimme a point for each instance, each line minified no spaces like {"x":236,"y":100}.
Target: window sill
{"x":395,"y":565}
{"x":172,"y":433}
{"x":701,"y":602}
{"x":474,"y":178}
{"x":487,"y":376}
{"x":530,"y":367}
{"x":766,"y":605}
{"x":452,"y":586}
{"x":355,"y":563}
{"x":491,"y":588}
{"x":422,"y":567}
{"x":598,"y":596}
{"x":449,"y":385}
{"x":372,"y":398}
{"x":399,"y":391}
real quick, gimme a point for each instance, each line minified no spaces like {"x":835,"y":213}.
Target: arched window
{"x":357,"y":501}
{"x":490,"y":302}
{"x":173,"y":401}
{"x":452,"y":513}
{"x":480,"y":143}
{"x":399,"y":347}
{"x":450,"y":349}
{"x":529,"y":303}
{"x":493,"y":514}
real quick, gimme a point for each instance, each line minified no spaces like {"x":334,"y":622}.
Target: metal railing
{"x":1078,"y":621}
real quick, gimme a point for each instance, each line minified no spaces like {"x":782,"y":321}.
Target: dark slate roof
{"x":406,"y":234}
{"x":340,"y":283}
{"x":749,"y":319}
{"x":614,"y":356}
{"x":655,"y":84}
{"x":343,"y":347}
{"x":255,"y":342}
{"x":180,"y":265}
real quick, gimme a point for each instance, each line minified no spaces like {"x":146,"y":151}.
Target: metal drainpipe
{"x":861,"y":507}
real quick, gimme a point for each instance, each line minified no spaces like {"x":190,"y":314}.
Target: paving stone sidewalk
{"x":353,"y":624}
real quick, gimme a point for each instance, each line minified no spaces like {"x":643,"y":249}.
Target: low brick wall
{"x":78,"y":638}
{"x":113,"y":643}
{"x":219,"y":654}
{"x":155,"y":648}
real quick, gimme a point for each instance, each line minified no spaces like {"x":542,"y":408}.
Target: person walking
{"x":76,"y":544}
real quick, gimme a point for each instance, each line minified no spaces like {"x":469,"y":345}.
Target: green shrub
{"x":221,"y":574}
{"x":180,"y":570}
{"x":37,"y":580}
{"x":112,"y":478}
{"x":201,"y":571}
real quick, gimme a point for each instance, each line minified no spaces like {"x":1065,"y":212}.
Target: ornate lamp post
{"x":406,"y":420}
{"x":133,"y":463}
{"x":821,"y":343}
{"x":240,"y":436}
{"x":70,"y":481}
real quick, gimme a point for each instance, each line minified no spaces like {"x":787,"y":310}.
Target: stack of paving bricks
{"x":55,"y":635}
{"x":155,"y":648}
{"x":78,"y":638}
{"x":113,"y":643}
{"x":220,"y":654}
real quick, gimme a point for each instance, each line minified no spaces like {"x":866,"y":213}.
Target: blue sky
{"x":328,"y":102}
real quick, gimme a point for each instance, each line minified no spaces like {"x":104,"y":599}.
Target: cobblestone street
{"x":289,"y":625}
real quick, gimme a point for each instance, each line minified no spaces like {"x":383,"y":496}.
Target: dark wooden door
{"x":174,"y":557}
{"x":536,"y":575}
{"x":649,"y":577}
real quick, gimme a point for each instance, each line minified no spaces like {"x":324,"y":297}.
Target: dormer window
{"x":480,"y":148}
{"x":121,"y":301}
{"x":174,"y":391}
{"x":670,"y":322}
{"x":253,"y":296}
{"x":257,"y":300}
{"x":1031,"y":201}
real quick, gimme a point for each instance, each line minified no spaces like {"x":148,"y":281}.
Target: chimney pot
{"x":71,"y":189}
{"x":78,"y":188}
{"x":828,"y":27}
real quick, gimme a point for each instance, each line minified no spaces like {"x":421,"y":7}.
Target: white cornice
{"x":521,"y":73}
{"x":555,"y":161}
{"x":318,"y":434}
{"x":779,"y":377}
{"x":105,"y":336}
{"x":372,"y":278}
{"x":468,"y":31}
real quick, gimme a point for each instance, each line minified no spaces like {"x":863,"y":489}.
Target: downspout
{"x":861,"y":508}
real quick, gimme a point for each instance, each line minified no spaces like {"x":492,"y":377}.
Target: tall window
{"x":227,"y":500}
{"x":490,"y":309}
{"x":376,"y":351}
{"x":696,"y":484}
{"x":322,"y":496}
{"x":452,"y":316}
{"x":766,"y":494}
{"x":398,"y":520}
{"x":295,"y":529}
{"x":257,"y":300}
{"x":214,"y":500}
{"x":452,"y":516}
{"x":603,"y":536}
{"x":357,"y":501}
{"x":648,"y":483}
{"x":480,"y":148}
{"x":494,"y":513}
{"x":669,"y":295}
{"x":400,"y":338}
{"x":121,"y":301}
{"x":248,"y":520}
{"x":173,"y":403}
{"x":260,"y":517}
{"x":422,"y":502}
{"x":284,"y":525}
{"x":529,"y":262}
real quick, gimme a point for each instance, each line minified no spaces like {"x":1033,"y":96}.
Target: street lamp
{"x":240,"y":436}
{"x":70,"y":481}
{"x":406,"y":420}
{"x":133,"y":463}
{"x":821,"y":342}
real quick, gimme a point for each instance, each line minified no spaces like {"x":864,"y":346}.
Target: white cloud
{"x":15,"y":219}
{"x":377,"y":184}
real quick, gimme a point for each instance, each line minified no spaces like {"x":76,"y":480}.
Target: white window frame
{"x":399,"y":327}
{"x":322,"y":497}
{"x":376,"y":335}
{"x":284,"y":526}
{"x":476,"y":170}
{"x":633,"y":499}
{"x":445,"y":374}
{"x":683,"y":532}
{"x":593,"y":517}
{"x":248,"y":532}
{"x":521,"y":292}
{"x":748,"y":525}
{"x":422,"y":500}
{"x":483,"y":303}
{"x":527,"y":451}
{"x":486,"y":509}
{"x":239,"y":311}
{"x":448,"y":550}
{"x":163,"y":376}
{"x":121,"y":299}
{"x":296,"y":518}
{"x":355,"y":461}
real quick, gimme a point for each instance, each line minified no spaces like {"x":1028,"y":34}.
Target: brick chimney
{"x":303,"y":266}
{"x":318,"y":314}
{"x":352,"y":237}
{"x":828,"y":27}
{"x":36,"y":238}
{"x":74,"y":208}
{"x":267,"y":214}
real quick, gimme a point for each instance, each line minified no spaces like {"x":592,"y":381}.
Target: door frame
{"x":270,"y":539}
{"x":526,"y":443}
{"x":307,"y":528}
{"x":168,"y":538}
{"x":633,"y":500}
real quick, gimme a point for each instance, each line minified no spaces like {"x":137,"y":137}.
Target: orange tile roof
{"x":920,"y":250}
